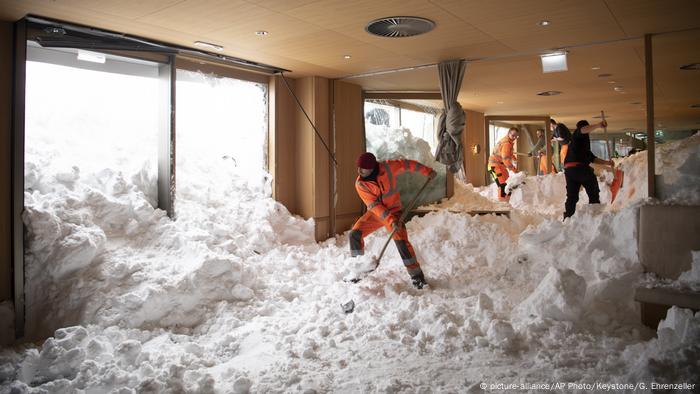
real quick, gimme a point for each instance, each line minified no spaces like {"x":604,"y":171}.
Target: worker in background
{"x":539,"y":152}
{"x":577,"y":169}
{"x":562,"y":134}
{"x":376,"y":186}
{"x":501,"y":160}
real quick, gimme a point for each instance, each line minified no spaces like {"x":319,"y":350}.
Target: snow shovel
{"x":618,"y":174}
{"x":401,"y":220}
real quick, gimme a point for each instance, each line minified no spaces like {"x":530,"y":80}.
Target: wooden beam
{"x":651,"y":149}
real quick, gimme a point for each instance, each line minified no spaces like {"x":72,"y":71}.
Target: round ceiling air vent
{"x":399,"y":26}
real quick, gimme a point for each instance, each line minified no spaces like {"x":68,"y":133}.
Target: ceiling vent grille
{"x":399,"y":26}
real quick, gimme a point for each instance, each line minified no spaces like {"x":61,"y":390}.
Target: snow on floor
{"x":235,"y":296}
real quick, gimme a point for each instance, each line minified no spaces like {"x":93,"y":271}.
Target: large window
{"x":396,"y":130}
{"x":221,"y":135}
{"x":86,"y":122}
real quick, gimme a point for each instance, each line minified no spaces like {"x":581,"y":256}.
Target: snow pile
{"x":691,"y":278}
{"x":559,"y":296}
{"x":468,"y":198}
{"x":677,"y":170}
{"x":673,"y":356}
{"x":515,"y":180}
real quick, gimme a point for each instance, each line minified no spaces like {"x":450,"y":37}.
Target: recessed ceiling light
{"x":691,"y":66}
{"x":636,"y":103}
{"x":618,"y":88}
{"x":595,"y":68}
{"x":543,"y":23}
{"x":695,"y":106}
{"x":549,"y":93}
{"x":347,"y":57}
{"x":604,"y":75}
{"x":261,"y":33}
{"x":209,"y":45}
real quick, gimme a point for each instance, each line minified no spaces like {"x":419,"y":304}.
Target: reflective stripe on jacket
{"x":503,"y":154}
{"x":381,"y":196}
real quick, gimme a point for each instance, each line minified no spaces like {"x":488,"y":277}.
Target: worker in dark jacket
{"x":376,"y":186}
{"x":577,"y":169}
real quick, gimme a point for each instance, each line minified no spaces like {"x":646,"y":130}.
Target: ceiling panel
{"x":652,"y":16}
{"x":350,"y":18}
{"x":514,"y":22}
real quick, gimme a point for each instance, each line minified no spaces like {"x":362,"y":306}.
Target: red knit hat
{"x":366,"y":161}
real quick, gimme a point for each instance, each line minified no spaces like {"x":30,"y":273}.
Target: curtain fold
{"x":451,"y":122}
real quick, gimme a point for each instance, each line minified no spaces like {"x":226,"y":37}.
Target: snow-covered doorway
{"x":221,"y":138}
{"x":401,"y":129}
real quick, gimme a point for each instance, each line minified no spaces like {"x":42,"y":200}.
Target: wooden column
{"x":651,"y":149}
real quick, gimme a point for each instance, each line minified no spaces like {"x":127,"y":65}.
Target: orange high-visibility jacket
{"x":502,"y":154}
{"x":381,"y":196}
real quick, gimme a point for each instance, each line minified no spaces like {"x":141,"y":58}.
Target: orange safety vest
{"x":502,"y":154}
{"x":381,"y":196}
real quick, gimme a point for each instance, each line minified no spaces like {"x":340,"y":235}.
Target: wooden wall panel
{"x":475,"y":164}
{"x":282,"y":143}
{"x":312,"y":160}
{"x":321,"y":157}
{"x":350,"y":143}
{"x":304,"y":149}
{"x":6,"y":57}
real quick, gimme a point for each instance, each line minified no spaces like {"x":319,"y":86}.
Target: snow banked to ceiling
{"x":235,"y":295}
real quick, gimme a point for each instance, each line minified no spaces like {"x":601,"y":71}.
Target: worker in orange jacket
{"x":376,"y":186}
{"x":501,"y":160}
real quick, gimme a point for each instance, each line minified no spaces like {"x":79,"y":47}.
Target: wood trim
{"x":6,"y":85}
{"x":166,"y":139}
{"x":651,"y":146}
{"x":18,"y":113}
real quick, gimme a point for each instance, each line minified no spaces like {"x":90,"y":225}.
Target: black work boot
{"x":418,"y":281}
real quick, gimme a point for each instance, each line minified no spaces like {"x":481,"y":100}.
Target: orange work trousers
{"x":543,"y":165}
{"x":369,"y":223}
{"x":499,"y":173}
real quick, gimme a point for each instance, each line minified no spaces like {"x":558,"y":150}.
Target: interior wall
{"x":475,"y":163}
{"x":350,"y":143}
{"x":312,"y":159}
{"x":6,"y":56}
{"x":282,"y":143}
{"x":524,"y":145}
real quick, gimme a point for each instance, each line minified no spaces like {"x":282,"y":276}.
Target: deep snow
{"x":235,"y":295}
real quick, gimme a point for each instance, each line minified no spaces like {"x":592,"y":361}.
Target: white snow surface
{"x":235,"y":295}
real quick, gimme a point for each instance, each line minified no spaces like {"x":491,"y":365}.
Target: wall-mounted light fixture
{"x":554,"y":62}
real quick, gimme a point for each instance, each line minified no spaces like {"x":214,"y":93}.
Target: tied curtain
{"x":451,"y":122}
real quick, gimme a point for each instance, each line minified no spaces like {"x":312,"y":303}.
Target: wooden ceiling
{"x":311,"y":37}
